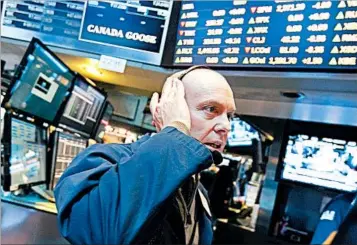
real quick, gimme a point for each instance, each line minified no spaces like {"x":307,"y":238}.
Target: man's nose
{"x":222,"y":125}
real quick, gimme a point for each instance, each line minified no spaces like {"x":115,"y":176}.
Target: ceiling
{"x":256,"y":93}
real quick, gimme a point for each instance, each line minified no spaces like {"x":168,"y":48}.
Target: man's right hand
{"x":171,"y":109}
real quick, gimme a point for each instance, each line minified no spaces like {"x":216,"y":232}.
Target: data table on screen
{"x":280,"y":34}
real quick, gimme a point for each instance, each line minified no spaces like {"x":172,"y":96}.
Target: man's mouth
{"x":214,"y":146}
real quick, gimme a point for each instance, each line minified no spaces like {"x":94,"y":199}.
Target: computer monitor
{"x":83,"y":109}
{"x":41,"y":84}
{"x":66,"y":147}
{"x":107,"y":115}
{"x":320,"y":161}
{"x":25,"y":153}
{"x":241,"y":133}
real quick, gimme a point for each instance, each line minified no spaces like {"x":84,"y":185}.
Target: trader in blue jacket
{"x":148,"y":192}
{"x":331,"y":220}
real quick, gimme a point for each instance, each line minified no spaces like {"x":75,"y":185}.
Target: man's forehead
{"x":201,"y":75}
{"x":204,"y":85}
{"x":203,"y":80}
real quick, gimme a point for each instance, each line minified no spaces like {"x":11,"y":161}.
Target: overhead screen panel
{"x":268,"y":34}
{"x":134,"y":30}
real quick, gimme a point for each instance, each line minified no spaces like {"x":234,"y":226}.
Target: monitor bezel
{"x":51,"y":164}
{"x":293,"y":127}
{"x":38,"y":120}
{"x":7,"y":179}
{"x":68,"y":127}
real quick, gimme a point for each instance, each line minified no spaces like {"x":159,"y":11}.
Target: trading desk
{"x":26,"y":223}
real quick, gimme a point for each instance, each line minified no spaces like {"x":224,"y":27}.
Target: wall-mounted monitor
{"x":25,"y":153}
{"x":296,"y":35}
{"x":319,"y":155}
{"x":65,"y":147}
{"x":241,"y":133}
{"x":83,"y":109}
{"x":325,"y":162}
{"x":107,"y":115}
{"x":133,"y":30}
{"x":41,"y":84}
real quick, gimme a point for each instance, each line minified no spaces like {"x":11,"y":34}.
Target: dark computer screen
{"x":83,"y":108}
{"x":108,"y":112}
{"x":241,"y":133}
{"x":42,"y":84}
{"x":28,"y":154}
{"x":321,"y":161}
{"x":68,"y":147}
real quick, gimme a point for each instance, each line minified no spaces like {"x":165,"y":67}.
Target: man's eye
{"x":210,"y":109}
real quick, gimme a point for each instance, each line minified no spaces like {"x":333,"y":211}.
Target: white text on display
{"x":211,"y":41}
{"x":239,"y":11}
{"x":212,"y":60}
{"x":295,"y":17}
{"x":208,"y":50}
{"x":322,"y":5}
{"x":289,"y":50}
{"x":290,"y":7}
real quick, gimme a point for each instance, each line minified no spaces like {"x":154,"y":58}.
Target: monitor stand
{"x":43,"y":192}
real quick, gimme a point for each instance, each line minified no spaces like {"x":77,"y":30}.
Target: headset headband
{"x":191,"y":69}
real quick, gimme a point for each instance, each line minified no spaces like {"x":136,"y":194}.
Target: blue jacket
{"x":109,"y":192}
{"x":331,"y":219}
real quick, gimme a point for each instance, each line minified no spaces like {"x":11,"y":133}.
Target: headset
{"x":185,"y":72}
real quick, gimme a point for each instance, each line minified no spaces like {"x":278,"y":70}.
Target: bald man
{"x":148,"y":192}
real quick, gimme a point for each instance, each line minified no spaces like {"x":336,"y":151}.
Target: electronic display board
{"x":321,"y":161}
{"x":268,"y":34}
{"x":134,"y":30}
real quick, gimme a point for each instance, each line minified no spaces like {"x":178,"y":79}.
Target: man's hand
{"x":171,"y":109}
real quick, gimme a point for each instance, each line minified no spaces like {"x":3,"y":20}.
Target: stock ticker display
{"x":96,"y":26}
{"x":282,"y":34}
